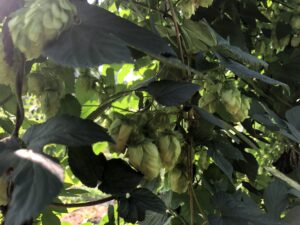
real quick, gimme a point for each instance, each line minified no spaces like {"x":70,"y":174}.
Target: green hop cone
{"x":120,"y":131}
{"x":50,"y":101}
{"x":242,"y":114}
{"x":210,"y":98}
{"x":145,"y":157}
{"x":295,"y":22}
{"x":86,"y":82}
{"x":231,"y":98}
{"x":44,"y":80}
{"x":38,"y":23}
{"x":204,"y":3}
{"x":49,"y":88}
{"x":35,"y":83}
{"x":169,"y":149}
{"x":161,"y":120}
{"x":209,"y":102}
{"x":187,"y":7}
{"x":178,"y":180}
{"x":295,"y":41}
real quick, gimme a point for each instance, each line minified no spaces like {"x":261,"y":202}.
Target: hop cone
{"x":39,"y":22}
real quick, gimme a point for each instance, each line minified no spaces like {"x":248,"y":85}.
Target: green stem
{"x":83,"y":204}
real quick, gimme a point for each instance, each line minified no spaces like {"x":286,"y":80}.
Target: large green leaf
{"x":221,"y":162}
{"x":292,"y":116}
{"x":119,"y":178}
{"x":102,"y":38}
{"x":86,"y":165}
{"x":276,"y":198}
{"x":244,"y":72}
{"x":171,"y":93}
{"x":228,"y":150}
{"x":8,"y":99}
{"x":6,"y":124}
{"x":37,"y":180}
{"x":292,"y":183}
{"x":134,"y":208}
{"x":249,"y":166}
{"x":237,"y":54}
{"x":69,"y":105}
{"x":239,"y":209}
{"x":10,"y":144}
{"x":221,"y":124}
{"x":66,"y":130}
{"x":49,"y":218}
{"x":86,"y":46}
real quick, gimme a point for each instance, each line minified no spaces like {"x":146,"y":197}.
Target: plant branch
{"x":190,"y":176}
{"x":202,"y":213}
{"x":178,"y":35}
{"x":19,"y":90}
{"x":83,"y":204}
{"x":106,"y":104}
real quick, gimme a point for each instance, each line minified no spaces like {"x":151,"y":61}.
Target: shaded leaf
{"x":276,"y":198}
{"x":111,"y":215}
{"x":244,"y":72}
{"x":119,"y":178}
{"x":292,"y":183}
{"x":200,"y":31}
{"x":6,"y":124}
{"x":8,"y":7}
{"x":8,"y":99}
{"x":292,"y":116}
{"x":10,"y":144}
{"x":221,"y":162}
{"x":211,"y":118}
{"x":49,"y":218}
{"x":86,"y":165}
{"x":293,"y":216}
{"x":66,"y":130}
{"x":228,"y":150}
{"x":102,"y":38}
{"x":37,"y":180}
{"x":171,"y":93}
{"x":249,"y":166}
{"x":134,"y":208}
{"x":235,"y":53}
{"x":69,"y":105}
{"x":86,"y":46}
{"x":221,"y":124}
{"x":246,"y":211}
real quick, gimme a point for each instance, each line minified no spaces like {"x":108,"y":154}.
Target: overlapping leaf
{"x":102,"y":38}
{"x":66,"y":130}
{"x":86,"y":165}
{"x":171,"y":93}
{"x":37,"y":180}
{"x":134,"y":208}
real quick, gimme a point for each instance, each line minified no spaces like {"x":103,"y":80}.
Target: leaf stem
{"x":19,"y":90}
{"x":106,"y":104}
{"x":83,"y":204}
{"x":178,"y":35}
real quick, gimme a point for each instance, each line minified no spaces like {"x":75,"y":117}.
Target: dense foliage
{"x":176,"y":111}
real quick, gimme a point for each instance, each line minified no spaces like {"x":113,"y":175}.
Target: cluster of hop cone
{"x":151,"y":146}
